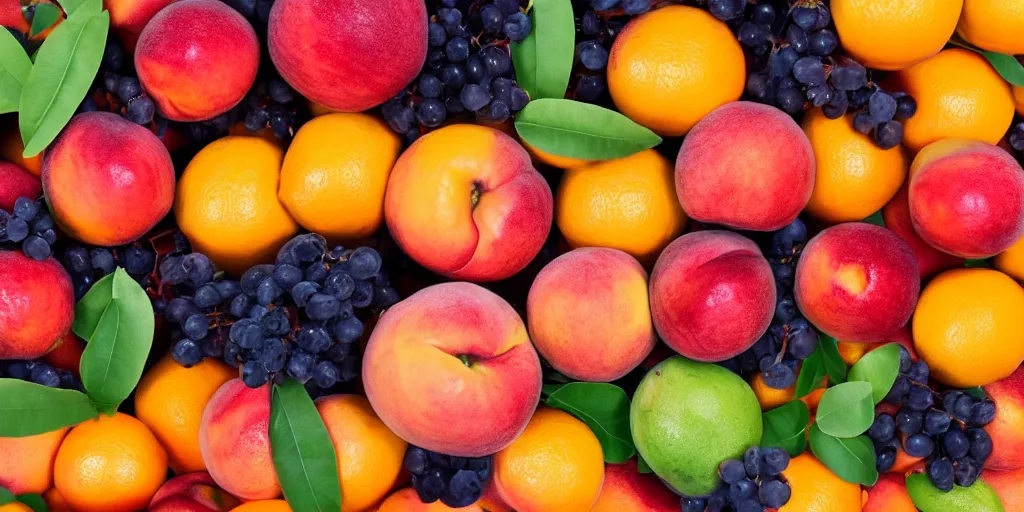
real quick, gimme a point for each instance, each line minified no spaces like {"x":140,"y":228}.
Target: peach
{"x":191,"y":492}
{"x":406,"y":500}
{"x":11,"y":16}
{"x":889,"y":494}
{"x":465,"y":202}
{"x":1007,"y":429}
{"x":26,"y":463}
{"x":16,"y":182}
{"x":67,"y":355}
{"x":747,"y":166}
{"x":450,"y":351}
{"x":37,"y":305}
{"x":589,"y":316}
{"x":197,"y":59}
{"x":896,"y":214}
{"x":712,"y":295}
{"x":627,"y":490}
{"x":108,"y":180}
{"x":234,"y":437}
{"x":1009,"y":485}
{"x":129,"y":17}
{"x":967,"y":198}
{"x":857,"y":282}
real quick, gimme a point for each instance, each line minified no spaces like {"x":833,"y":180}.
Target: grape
{"x":823,"y":42}
{"x":726,"y":10}
{"x":881,"y":107}
{"x":888,"y":135}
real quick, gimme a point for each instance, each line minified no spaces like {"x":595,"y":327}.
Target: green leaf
{"x":547,"y":389}
{"x":1007,"y":66}
{"x":642,"y":467}
{"x":46,"y":15}
{"x":304,"y":456}
{"x":851,"y":459}
{"x":82,"y":8}
{"x":979,"y":497}
{"x":6,"y":496}
{"x":34,"y":501}
{"x":63,"y":72}
{"x":543,"y":61}
{"x":835,"y":366}
{"x":605,"y":409}
{"x":40,"y":409}
{"x":876,"y":219}
{"x":812,"y":370}
{"x":14,"y":69}
{"x":580,"y":130}
{"x":846,"y":410}
{"x":879,"y":367}
{"x":976,"y":392}
{"x":116,"y":318}
{"x":784,"y":427}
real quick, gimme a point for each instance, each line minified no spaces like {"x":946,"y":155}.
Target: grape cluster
{"x":596,"y":29}
{"x":946,"y":429}
{"x":28,"y":227}
{"x":753,"y":484}
{"x":121,"y":89}
{"x":87,"y":265}
{"x":456,"y":481}
{"x":40,"y":373}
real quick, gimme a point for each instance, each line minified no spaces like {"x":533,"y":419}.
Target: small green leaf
{"x":879,"y":367}
{"x":580,"y":130}
{"x":63,"y":72}
{"x":46,"y":15}
{"x":543,"y":61}
{"x":851,"y":459}
{"x":835,"y":366}
{"x":6,"y":496}
{"x":304,"y":456}
{"x":34,"y":501}
{"x":812,"y":370}
{"x":976,"y":392}
{"x":784,"y":427}
{"x":116,"y":318}
{"x":876,"y":219}
{"x":82,"y":8}
{"x":605,"y":409}
{"x":979,"y":497}
{"x":642,"y":467}
{"x":846,"y":410}
{"x":40,"y":409}
{"x":14,"y":69}
{"x":1007,"y":66}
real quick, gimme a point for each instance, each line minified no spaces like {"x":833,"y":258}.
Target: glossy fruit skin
{"x":890,"y":36}
{"x":37,"y":305}
{"x":1011,"y":261}
{"x":817,"y":489}
{"x":993,"y":25}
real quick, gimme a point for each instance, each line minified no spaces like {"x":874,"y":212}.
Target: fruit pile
{"x":511,"y":255}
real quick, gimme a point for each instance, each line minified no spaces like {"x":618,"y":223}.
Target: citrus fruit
{"x":15,"y":507}
{"x":993,"y":25}
{"x":556,"y":464}
{"x":668,"y":68}
{"x":227,"y":204}
{"x":816,"y":489}
{"x":337,"y":190}
{"x":26,"y":463}
{"x":112,"y":463}
{"x":969,"y":328}
{"x":170,"y":400}
{"x":406,"y":500}
{"x":888,"y":35}
{"x":627,"y":204}
{"x":562,"y":162}
{"x":854,"y":177}
{"x":264,"y":506}
{"x":959,"y":95}
{"x":1011,"y":261}
{"x":687,"y":417}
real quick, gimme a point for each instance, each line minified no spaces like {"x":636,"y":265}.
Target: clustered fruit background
{"x":429,"y":255}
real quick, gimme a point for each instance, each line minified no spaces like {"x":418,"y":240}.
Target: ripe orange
{"x":854,"y":177}
{"x":556,"y":464}
{"x":628,"y":204}
{"x":770,"y":398}
{"x":993,"y":25}
{"x":15,"y":507}
{"x":884,"y":34}
{"x":1011,"y":261}
{"x":112,"y":463}
{"x":816,"y":489}
{"x":170,"y":400}
{"x":263,"y":506}
{"x":26,"y":463}
{"x":959,"y":95}
{"x":668,"y":68}
{"x":227,"y":204}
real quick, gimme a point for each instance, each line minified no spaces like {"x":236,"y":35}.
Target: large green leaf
{"x":851,"y":459}
{"x":27,"y":408}
{"x":1007,"y":66}
{"x":846,"y":410}
{"x":580,"y":130}
{"x":605,"y":409}
{"x":81,"y":7}
{"x":14,"y":69}
{"x":879,"y":367}
{"x":784,"y":427}
{"x":979,"y":497}
{"x":304,"y":456}
{"x":543,"y":61}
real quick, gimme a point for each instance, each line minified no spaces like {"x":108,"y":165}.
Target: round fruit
{"x":993,"y":25}
{"x":816,"y":489}
{"x":1011,"y":261}
{"x":37,"y":305}
{"x":406,"y":500}
{"x":263,"y":506}
{"x":26,"y":463}
{"x":16,"y":182}
{"x":893,"y":35}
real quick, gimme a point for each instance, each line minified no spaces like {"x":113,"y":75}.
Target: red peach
{"x":16,"y":182}
{"x":37,"y":305}
{"x":627,"y":490}
{"x":930,"y":261}
{"x":1009,"y":485}
{"x":192,"y":492}
{"x":197,"y":59}
{"x":108,"y":180}
{"x":26,"y":463}
{"x":129,"y":17}
{"x":1007,"y":429}
{"x":967,"y":198}
{"x":449,"y":351}
{"x":67,"y":355}
{"x":12,"y":17}
{"x":589,"y":316}
{"x":747,"y":166}
{"x":712,"y":295}
{"x":889,"y":494}
{"x":348,"y":55}
{"x":857,"y":282}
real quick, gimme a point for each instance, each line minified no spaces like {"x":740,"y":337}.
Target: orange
{"x":55,"y":501}
{"x":319,"y":110}
{"x":369,"y":454}
{"x":816,"y":489}
{"x":15,"y":507}
{"x":959,"y":95}
{"x":993,"y":25}
{"x":406,"y":500}
{"x":888,"y":35}
{"x":562,"y":162}
{"x":628,"y":204}
{"x":855,"y":178}
{"x":1011,"y":261}
{"x":112,"y":463}
{"x":670,"y":67}
{"x":11,"y":149}
{"x":227,"y":205}
{"x":969,"y":328}
{"x":263,"y":506}
{"x":556,"y":464}
{"x":26,"y":463}
{"x":335,"y":173}
{"x":171,"y":399}
{"x":770,"y":398}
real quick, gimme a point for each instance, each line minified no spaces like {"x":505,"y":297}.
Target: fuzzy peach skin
{"x":234,"y":437}
{"x":589,"y":316}
{"x":967,"y":197}
{"x":191,"y":492}
{"x":108,"y":180}
{"x":889,"y":494}
{"x":627,"y":490}
{"x":857,"y":282}
{"x":747,"y":166}
{"x":197,"y":59}
{"x":930,"y":261}
{"x":1007,"y":429}
{"x":11,"y":16}
{"x":1009,"y":485}
{"x":712,"y":295}
{"x":129,"y":17}
{"x":16,"y":182}
{"x":453,"y":350}
{"x":465,"y":202}
{"x":26,"y":463}
{"x":348,"y":55}
{"x":37,"y":305}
